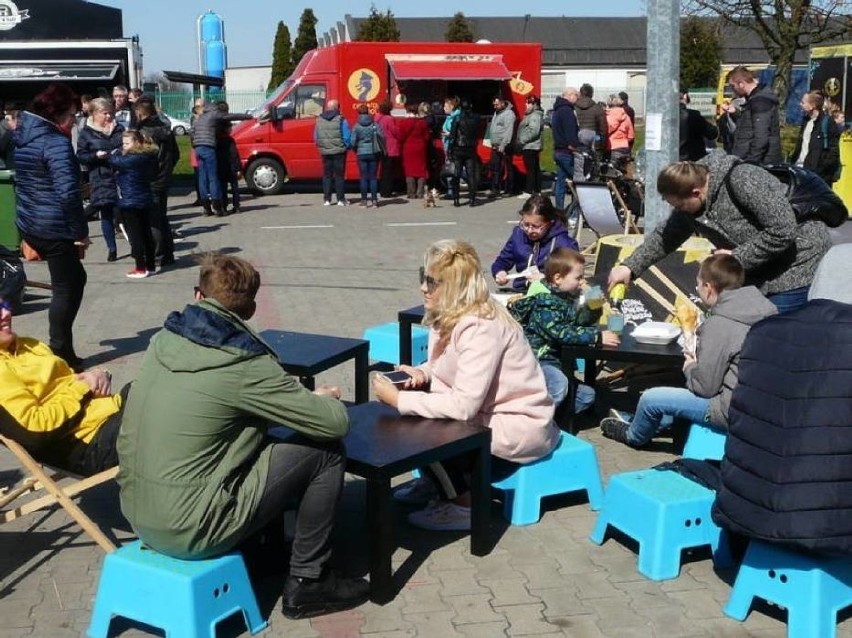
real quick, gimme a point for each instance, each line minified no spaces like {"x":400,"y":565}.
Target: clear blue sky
{"x":166,"y":28}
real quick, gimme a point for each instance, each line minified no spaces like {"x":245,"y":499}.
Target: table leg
{"x":405,"y":342}
{"x":480,"y":493}
{"x":380,"y":532}
{"x":590,"y":371}
{"x":362,"y":374}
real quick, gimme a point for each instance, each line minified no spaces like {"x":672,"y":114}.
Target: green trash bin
{"x":9,"y":236}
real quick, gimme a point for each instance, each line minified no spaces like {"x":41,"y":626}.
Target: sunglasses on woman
{"x":431,"y":283}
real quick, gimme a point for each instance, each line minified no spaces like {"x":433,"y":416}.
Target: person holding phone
{"x":480,"y":369}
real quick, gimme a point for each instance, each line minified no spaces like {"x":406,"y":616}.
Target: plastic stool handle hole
{"x":216,"y":593}
{"x":783,"y":578}
{"x":226,"y":588}
{"x":772,"y":573}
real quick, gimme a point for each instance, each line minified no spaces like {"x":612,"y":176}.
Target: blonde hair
{"x":464,"y":289}
{"x":231,"y":281}
{"x":680,"y":178}
{"x":141,"y":140}
{"x":740,"y":73}
{"x":101,"y":104}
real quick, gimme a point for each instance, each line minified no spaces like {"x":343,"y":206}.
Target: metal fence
{"x":636,"y":98}
{"x":179,"y":104}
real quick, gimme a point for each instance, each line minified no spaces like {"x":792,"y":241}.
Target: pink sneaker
{"x":137,"y":274}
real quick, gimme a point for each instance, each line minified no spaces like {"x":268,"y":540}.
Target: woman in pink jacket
{"x":620,"y":132}
{"x":480,"y":369}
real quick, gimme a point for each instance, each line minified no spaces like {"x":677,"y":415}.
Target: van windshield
{"x":282,"y":88}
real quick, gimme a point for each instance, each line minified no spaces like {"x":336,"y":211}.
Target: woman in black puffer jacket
{"x":101,"y":133}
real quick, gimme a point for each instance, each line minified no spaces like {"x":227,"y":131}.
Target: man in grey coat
{"x":501,"y":134}
{"x":742,"y":210}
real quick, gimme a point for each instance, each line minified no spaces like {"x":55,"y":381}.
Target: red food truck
{"x":356,"y":73}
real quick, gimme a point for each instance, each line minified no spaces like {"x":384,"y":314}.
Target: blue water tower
{"x":212,"y":51}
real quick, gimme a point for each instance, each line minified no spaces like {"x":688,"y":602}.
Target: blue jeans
{"x":658,"y":403}
{"x":558,"y":385}
{"x":368,"y":166}
{"x":107,"y":214}
{"x":790,"y":300}
{"x":564,"y":170}
{"x":208,"y":178}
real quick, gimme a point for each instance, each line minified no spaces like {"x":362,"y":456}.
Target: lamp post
{"x":661,"y":113}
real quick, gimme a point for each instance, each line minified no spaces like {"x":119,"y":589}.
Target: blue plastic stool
{"x":704,"y":442}
{"x":666,"y":513}
{"x":571,"y":466}
{"x":384,"y":343}
{"x":812,"y":588}
{"x":185,"y":598}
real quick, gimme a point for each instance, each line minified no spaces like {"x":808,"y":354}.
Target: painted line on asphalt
{"x":421,"y":224}
{"x":290,"y":227}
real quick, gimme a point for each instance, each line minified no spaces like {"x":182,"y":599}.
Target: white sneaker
{"x":524,"y":196}
{"x":442,"y":516}
{"x":342,"y":202}
{"x":326,"y":203}
{"x":416,"y":492}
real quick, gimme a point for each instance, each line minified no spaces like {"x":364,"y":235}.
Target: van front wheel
{"x":265,"y":176}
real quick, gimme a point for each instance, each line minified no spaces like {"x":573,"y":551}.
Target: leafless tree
{"x":783,"y":26}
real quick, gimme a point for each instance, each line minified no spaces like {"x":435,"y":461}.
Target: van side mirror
{"x":272,"y":114}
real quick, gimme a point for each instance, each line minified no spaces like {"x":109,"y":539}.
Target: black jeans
{"x":390,"y":169}
{"x":533,"y":166}
{"x":164,"y":245}
{"x":137,"y":222}
{"x":502,"y":178}
{"x":306,"y":475}
{"x":68,"y":280}
{"x":333,"y":172}
{"x":470,"y":161}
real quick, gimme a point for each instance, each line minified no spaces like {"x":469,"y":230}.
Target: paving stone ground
{"x":336,"y":271}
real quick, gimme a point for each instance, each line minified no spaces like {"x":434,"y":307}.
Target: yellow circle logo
{"x":832,"y":87}
{"x":363,"y":85}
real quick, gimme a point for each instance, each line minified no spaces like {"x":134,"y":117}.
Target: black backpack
{"x":807,"y":192}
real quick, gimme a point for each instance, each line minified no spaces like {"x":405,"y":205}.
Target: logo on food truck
{"x":363,"y":85}
{"x":10,"y":16}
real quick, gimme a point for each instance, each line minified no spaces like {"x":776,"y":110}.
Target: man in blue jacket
{"x":565,"y":142}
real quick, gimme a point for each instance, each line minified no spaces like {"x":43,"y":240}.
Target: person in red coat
{"x":414,"y":139}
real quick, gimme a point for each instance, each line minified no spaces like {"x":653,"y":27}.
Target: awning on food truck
{"x":450,"y":66}
{"x":58,"y":70}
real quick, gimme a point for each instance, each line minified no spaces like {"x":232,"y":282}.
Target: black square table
{"x":406,"y":319}
{"x":382,"y":444}
{"x":306,"y":355}
{"x":628,"y":351}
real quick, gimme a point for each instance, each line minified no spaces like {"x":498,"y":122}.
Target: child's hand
{"x":609,"y":338}
{"x":101,"y":154}
{"x":501,"y":278}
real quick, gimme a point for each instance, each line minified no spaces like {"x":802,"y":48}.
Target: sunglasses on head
{"x":431,"y":283}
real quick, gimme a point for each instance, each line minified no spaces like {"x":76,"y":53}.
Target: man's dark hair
{"x":587,"y":90}
{"x":55,"y":101}
{"x":623,"y":95}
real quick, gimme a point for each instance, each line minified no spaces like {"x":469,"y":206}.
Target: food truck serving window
{"x":448,"y":67}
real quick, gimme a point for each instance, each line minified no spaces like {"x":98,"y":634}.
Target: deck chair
{"x":41,"y":478}
{"x":597,"y":211}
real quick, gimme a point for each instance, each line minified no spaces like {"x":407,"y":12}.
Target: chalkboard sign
{"x":654,"y":294}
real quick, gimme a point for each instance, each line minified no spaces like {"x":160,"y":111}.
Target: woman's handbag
{"x":450,"y":168}
{"x":379,"y":143}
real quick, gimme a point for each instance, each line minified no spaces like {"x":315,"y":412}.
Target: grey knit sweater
{"x":777,"y":254}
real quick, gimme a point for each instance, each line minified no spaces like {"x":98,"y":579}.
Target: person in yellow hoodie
{"x":62,"y":418}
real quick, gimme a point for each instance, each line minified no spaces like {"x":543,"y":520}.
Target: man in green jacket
{"x":198,"y":473}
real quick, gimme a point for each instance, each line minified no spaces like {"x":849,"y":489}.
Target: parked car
{"x":179,"y":127}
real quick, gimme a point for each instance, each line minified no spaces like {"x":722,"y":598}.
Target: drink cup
{"x":594,"y":298}
{"x":615,"y":323}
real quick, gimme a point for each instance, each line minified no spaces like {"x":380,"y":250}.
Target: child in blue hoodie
{"x":540,"y":232}
{"x":367,"y":142}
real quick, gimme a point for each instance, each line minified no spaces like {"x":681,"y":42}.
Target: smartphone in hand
{"x":397,"y":377}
